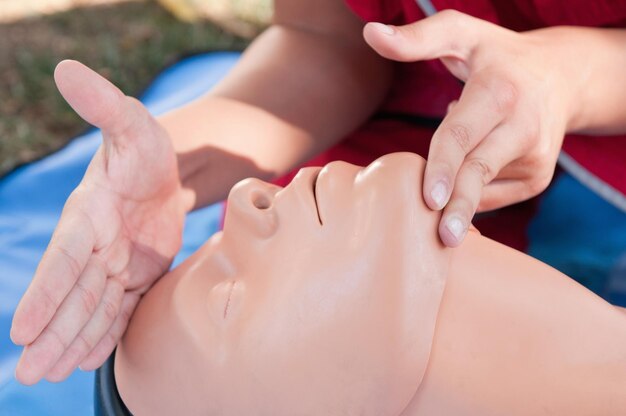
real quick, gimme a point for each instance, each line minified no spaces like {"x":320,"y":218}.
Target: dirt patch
{"x":128,"y":42}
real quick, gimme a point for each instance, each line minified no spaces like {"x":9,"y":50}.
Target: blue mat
{"x":587,"y":239}
{"x":582,"y":235}
{"x":31,"y":200}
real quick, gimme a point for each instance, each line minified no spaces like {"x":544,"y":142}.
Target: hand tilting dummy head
{"x":320,"y":297}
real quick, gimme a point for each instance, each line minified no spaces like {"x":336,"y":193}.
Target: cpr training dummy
{"x":334,"y":296}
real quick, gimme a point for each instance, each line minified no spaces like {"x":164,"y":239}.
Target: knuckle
{"x":85,"y":345}
{"x":109,"y":341}
{"x":461,"y":135}
{"x":539,"y":184}
{"x":484,"y":205}
{"x":527,"y":138}
{"x":505,"y":92}
{"x":454,"y":16}
{"x":134,"y":102}
{"x":70,"y":259}
{"x":123,"y":278}
{"x":457,"y":21}
{"x":544,"y":182}
{"x":539,"y":151}
{"x":542,"y":150}
{"x":126,"y":315}
{"x":88,"y":298}
{"x":137,"y":107}
{"x":110,"y":310}
{"x":482,"y":168}
{"x":49,"y":304}
{"x":52,"y":331}
{"x":127,"y":116}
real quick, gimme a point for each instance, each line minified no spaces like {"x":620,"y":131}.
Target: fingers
{"x":479,"y":169}
{"x":103,"y":349}
{"x":73,"y":314}
{"x":98,"y":337}
{"x":30,"y":371}
{"x":446,"y":34}
{"x":95,"y":99}
{"x":59,"y":269}
{"x":483,"y":105}
{"x":503,"y":192}
{"x":84,"y":345}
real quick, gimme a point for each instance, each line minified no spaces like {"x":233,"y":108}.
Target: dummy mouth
{"x":315,"y":196}
{"x":230,"y":295}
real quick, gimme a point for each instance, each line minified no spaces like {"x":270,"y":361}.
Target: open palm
{"x":117,"y":235}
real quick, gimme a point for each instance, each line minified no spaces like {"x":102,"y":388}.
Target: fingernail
{"x":382,"y":28}
{"x":439,"y":194}
{"x":456,"y":227}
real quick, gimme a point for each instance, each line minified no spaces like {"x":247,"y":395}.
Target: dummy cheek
{"x":224,"y":301}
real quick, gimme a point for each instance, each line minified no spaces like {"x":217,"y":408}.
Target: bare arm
{"x":300,"y":87}
{"x":522,"y":93}
{"x":516,"y":337}
{"x":601,"y":64}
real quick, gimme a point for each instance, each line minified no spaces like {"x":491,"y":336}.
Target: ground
{"x":128,"y":42}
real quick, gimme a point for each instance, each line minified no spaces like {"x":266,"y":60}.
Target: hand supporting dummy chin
{"x":498,"y":144}
{"x":118,"y":233}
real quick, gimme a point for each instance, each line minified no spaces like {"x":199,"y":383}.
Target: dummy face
{"x":320,"y":297}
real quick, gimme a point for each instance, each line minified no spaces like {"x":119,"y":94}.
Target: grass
{"x":128,"y":43}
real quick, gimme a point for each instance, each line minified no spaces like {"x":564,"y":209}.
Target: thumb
{"x":446,"y":34}
{"x":95,"y":99}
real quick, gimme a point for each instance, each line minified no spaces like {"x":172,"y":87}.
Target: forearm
{"x":293,"y":94}
{"x":604,"y":98}
{"x":593,"y":63}
{"x":515,"y":336}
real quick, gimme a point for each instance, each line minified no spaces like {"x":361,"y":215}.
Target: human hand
{"x":498,"y":144}
{"x":118,"y":233}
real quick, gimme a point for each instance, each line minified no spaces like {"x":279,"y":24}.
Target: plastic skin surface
{"x":322,"y":298}
{"x":309,"y":299}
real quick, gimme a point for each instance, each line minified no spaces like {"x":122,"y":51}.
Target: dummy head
{"x":321,"y":296}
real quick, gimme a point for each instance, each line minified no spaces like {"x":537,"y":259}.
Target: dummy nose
{"x":251,"y":206}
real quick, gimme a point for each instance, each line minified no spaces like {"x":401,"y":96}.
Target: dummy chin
{"x":321,"y":297}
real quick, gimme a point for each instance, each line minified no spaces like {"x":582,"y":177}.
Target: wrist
{"x":563,"y":53}
{"x":589,"y":65}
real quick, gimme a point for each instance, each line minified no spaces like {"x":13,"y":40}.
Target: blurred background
{"x":127,"y":41}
